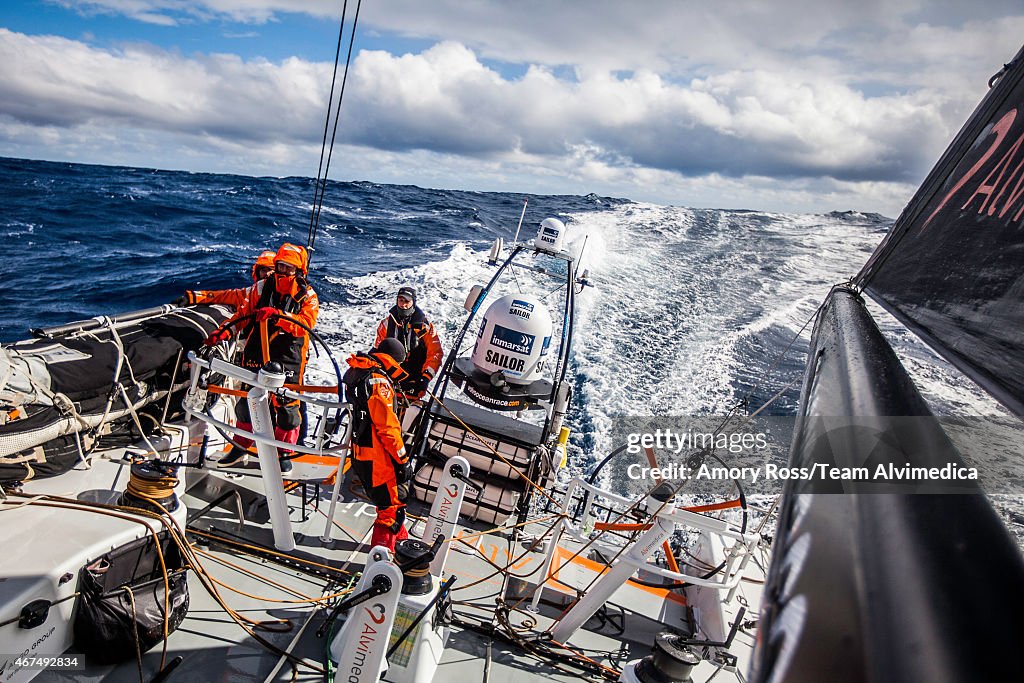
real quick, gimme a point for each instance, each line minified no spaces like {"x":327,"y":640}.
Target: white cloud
{"x":58,"y":82}
{"x":737,"y":123}
{"x":662,"y":98}
{"x":893,"y":39}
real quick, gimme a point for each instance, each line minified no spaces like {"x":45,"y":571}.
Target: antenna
{"x":526,"y":200}
{"x":579,"y":258}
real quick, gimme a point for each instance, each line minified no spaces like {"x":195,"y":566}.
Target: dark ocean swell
{"x":691,"y":309}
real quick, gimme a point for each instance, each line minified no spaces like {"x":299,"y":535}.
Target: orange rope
{"x":582,"y":656}
{"x":670,"y":559}
{"x":609,"y":526}
{"x":311,"y":389}
{"x":217,"y":389}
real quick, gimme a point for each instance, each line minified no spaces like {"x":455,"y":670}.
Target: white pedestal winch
{"x":269,"y":380}
{"x":360,"y":646}
{"x":444,"y":513}
{"x":418,"y":638}
{"x":270,"y":466}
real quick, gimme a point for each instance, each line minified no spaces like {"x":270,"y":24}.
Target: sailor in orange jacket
{"x":407,"y":323}
{"x":283,"y":306}
{"x":235,"y":298}
{"x":378,"y":452}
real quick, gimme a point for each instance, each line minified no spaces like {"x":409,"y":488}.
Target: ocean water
{"x":691,"y":309}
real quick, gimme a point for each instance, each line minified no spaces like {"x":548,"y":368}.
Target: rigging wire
{"x":325,"y":150}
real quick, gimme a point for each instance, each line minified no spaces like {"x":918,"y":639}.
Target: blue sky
{"x":795,"y":105}
{"x":289,"y":34}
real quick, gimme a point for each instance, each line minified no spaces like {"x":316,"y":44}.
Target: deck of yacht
{"x":271,"y":593}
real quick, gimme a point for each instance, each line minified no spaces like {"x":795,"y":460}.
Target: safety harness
{"x":357,"y":383}
{"x":410,"y":331}
{"x":285,"y":347}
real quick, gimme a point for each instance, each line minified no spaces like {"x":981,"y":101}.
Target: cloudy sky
{"x":788,"y":105}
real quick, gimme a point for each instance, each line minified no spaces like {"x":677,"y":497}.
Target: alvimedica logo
{"x":376,"y":614}
{"x":379,"y":617}
{"x":447,"y":501}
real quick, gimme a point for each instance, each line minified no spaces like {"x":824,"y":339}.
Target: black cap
{"x":407,"y":292}
{"x":392,"y":347}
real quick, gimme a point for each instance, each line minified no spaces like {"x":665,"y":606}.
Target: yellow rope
{"x":135,"y":632}
{"x":518,"y":471}
{"x":538,"y":520}
{"x":151,"y":489}
{"x":305,"y":599}
{"x":239,"y":544}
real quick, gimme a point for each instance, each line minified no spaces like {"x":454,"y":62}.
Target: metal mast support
{"x":635,"y":557}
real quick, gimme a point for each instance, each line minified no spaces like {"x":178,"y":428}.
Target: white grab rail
{"x":666,"y":519}
{"x":263,"y":435}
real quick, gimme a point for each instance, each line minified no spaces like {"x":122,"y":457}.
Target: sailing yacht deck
{"x":239,"y":560}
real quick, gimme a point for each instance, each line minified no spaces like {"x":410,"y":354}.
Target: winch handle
{"x":457,"y":472}
{"x":428,"y":557}
{"x":379,"y":586}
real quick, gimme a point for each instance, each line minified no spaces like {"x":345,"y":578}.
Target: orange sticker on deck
{"x":564,"y":556}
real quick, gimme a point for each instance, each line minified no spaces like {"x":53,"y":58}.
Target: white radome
{"x":550,"y":235}
{"x":514,"y":339}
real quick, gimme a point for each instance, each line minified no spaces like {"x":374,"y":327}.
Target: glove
{"x":181,"y":300}
{"x":404,"y":472}
{"x":266,"y":313}
{"x":414,"y":389}
{"x":219,"y":335}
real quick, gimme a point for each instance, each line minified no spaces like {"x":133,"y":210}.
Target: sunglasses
{"x":282,"y":268}
{"x":403,"y":300}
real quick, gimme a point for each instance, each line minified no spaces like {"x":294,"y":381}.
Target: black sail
{"x":952,"y":267}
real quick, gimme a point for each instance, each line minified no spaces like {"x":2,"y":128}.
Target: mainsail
{"x":952,"y":268}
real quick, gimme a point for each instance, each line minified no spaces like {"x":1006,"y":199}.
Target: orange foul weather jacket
{"x":421,"y":343}
{"x":378,"y":437}
{"x":235,"y":298}
{"x":280,"y":339}
{"x":232,"y":297}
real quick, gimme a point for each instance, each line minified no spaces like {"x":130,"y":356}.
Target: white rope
{"x":87,"y":461}
{"x":7,"y":375}
{"x":204,"y":316}
{"x":117,"y":368}
{"x":122,"y":359}
{"x":60,"y":401}
{"x":135,"y":419}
